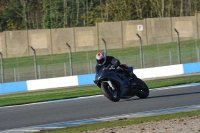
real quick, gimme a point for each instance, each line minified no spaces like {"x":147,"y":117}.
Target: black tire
{"x":142,"y":90}
{"x":106,"y":89}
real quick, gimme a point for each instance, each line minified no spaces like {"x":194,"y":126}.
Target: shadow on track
{"x":161,"y":96}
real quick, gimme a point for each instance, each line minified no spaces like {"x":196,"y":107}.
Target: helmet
{"x":101,"y":58}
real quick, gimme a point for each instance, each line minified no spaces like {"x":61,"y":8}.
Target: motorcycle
{"x":116,"y":84}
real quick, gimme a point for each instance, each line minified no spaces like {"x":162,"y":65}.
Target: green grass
{"x":57,"y":65}
{"x":39,"y":96}
{"x":123,"y":122}
{"x":72,"y":92}
{"x":151,"y":52}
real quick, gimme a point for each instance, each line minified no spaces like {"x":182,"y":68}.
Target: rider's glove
{"x":113,"y":67}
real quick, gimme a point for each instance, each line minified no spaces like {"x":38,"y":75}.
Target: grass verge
{"x":123,"y":122}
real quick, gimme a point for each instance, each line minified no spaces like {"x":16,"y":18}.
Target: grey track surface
{"x":53,"y":112}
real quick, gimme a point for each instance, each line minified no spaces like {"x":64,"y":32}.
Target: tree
{"x":36,"y":14}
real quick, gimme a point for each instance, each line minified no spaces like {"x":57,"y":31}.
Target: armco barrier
{"x":87,"y":79}
{"x":191,"y":68}
{"x":52,"y":83}
{"x":156,"y":72}
{"x":13,"y":87}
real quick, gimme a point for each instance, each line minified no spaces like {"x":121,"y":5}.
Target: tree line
{"x":46,"y":14}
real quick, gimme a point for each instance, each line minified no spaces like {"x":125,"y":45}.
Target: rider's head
{"x":101,"y":58}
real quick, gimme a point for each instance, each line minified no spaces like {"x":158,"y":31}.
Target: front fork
{"x":111,"y":85}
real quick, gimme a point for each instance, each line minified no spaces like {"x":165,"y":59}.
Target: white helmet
{"x":101,"y":58}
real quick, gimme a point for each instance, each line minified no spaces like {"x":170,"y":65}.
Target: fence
{"x":159,"y":43}
{"x":50,"y":66}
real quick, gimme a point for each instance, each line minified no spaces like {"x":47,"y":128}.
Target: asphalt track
{"x":14,"y":117}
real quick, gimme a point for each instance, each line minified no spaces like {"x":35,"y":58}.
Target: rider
{"x":103,"y":60}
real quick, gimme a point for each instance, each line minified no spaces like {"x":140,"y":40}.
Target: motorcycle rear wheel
{"x":142,"y":90}
{"x":107,"y":91}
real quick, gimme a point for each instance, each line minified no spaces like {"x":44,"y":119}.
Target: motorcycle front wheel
{"x":113,"y":95}
{"x":142,"y":89}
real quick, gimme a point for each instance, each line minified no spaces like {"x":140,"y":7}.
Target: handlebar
{"x":109,"y":67}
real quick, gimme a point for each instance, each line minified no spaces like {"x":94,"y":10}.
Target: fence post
{"x":39,"y":72}
{"x":91,"y":66}
{"x":105,"y":48}
{"x":198,"y":55}
{"x":179,"y":55}
{"x":141,"y":52}
{"x":65,"y":69}
{"x":170,"y":58}
{"x":15,"y":75}
{"x":70,"y":57}
{"x":35,"y":63}
{"x":2,"y":68}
